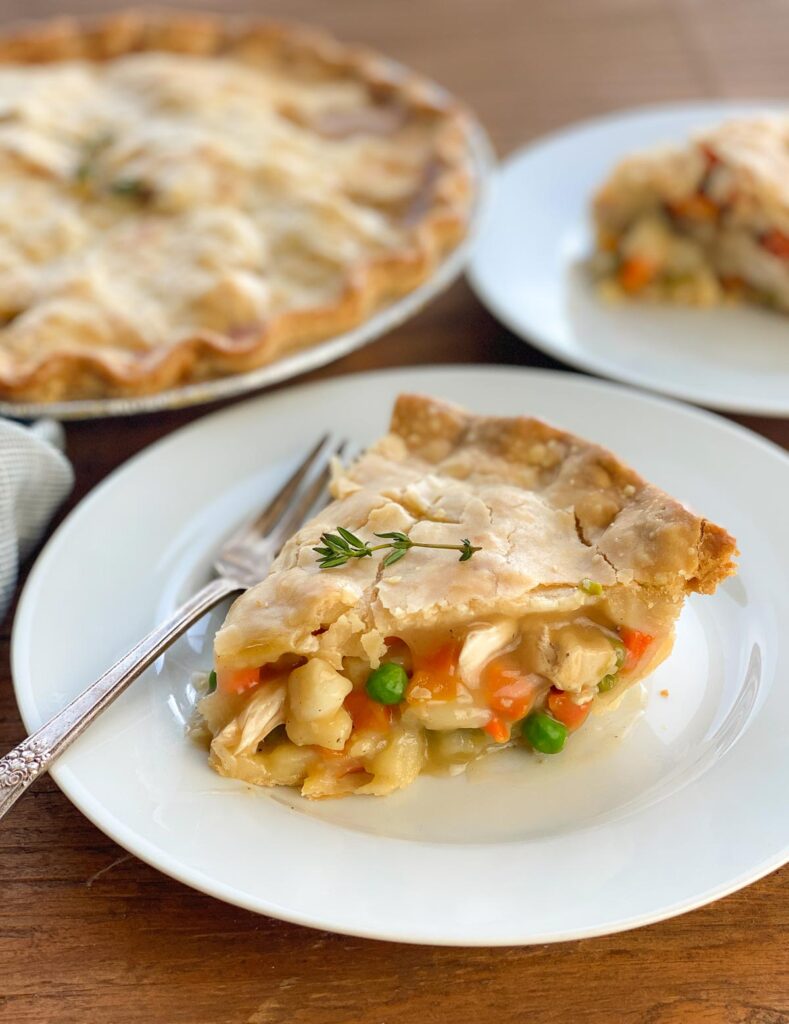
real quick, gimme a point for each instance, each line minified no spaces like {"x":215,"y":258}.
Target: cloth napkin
{"x":35,"y":477}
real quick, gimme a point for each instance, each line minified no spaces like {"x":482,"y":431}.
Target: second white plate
{"x":527,"y":268}
{"x":664,"y":807}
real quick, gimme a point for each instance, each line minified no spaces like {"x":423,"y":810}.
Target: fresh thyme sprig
{"x":338,"y":548}
{"x":91,"y":150}
{"x":131,"y":188}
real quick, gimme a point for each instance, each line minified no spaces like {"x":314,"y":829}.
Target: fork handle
{"x":23,"y":765}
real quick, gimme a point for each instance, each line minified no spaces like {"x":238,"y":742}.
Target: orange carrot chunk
{"x":636,"y":273}
{"x":636,"y":644}
{"x":565,"y":710}
{"x":436,"y":673}
{"x":696,"y":207}
{"x":777,"y":243}
{"x":498,"y":730}
{"x":732,"y":283}
{"x":237,"y":680}
{"x":367,"y":713}
{"x":509,"y":691}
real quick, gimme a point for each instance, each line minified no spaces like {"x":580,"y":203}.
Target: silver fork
{"x":242,"y":561}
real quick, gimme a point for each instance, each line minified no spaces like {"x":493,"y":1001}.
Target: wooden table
{"x":88,"y":933}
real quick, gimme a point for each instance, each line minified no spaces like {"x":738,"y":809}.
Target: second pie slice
{"x":700,"y":223}
{"x":522,"y":579}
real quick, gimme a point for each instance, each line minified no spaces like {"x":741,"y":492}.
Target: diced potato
{"x":365,"y":744}
{"x":456,"y":747}
{"x":449,"y":714}
{"x":399,"y":763}
{"x":316,"y":691}
{"x":331,"y":732}
{"x":289,"y":764}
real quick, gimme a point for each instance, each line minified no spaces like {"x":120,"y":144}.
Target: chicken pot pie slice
{"x":702,"y":223}
{"x":184,"y":197}
{"x":357,"y":677}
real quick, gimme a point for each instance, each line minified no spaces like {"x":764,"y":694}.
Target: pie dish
{"x":186,"y":197}
{"x":357,"y":677}
{"x":702,"y":223}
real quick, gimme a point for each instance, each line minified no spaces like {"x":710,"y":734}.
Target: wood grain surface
{"x":89,"y":933}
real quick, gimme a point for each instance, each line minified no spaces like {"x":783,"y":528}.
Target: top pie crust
{"x":184,"y":197}
{"x":547,"y":508}
{"x":754,"y":151}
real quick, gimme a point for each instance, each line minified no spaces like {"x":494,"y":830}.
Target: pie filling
{"x":701,"y":247}
{"x":434,"y":701}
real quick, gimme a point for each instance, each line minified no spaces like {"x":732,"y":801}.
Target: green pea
{"x":544,"y":733}
{"x":591,"y":587}
{"x":606,"y":683}
{"x":387,"y":683}
{"x":621,"y":653}
{"x":211,"y":681}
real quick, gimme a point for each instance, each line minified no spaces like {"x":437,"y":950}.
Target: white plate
{"x":687,"y":805}
{"x":303,"y":360}
{"x":527,"y":268}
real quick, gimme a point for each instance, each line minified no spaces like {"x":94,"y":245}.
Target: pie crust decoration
{"x":582,"y":571}
{"x":703,"y":223}
{"x":185,"y":197}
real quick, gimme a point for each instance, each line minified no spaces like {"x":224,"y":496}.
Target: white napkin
{"x":35,"y":477}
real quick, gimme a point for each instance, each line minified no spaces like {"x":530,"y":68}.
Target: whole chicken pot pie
{"x":185,"y":197}
{"x":702,"y":223}
{"x":475,"y":583}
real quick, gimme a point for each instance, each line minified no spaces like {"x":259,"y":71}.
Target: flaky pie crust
{"x":548,"y":509}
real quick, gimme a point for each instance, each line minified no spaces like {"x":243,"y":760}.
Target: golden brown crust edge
{"x":641,"y":530}
{"x":65,"y":376}
{"x":717,"y":551}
